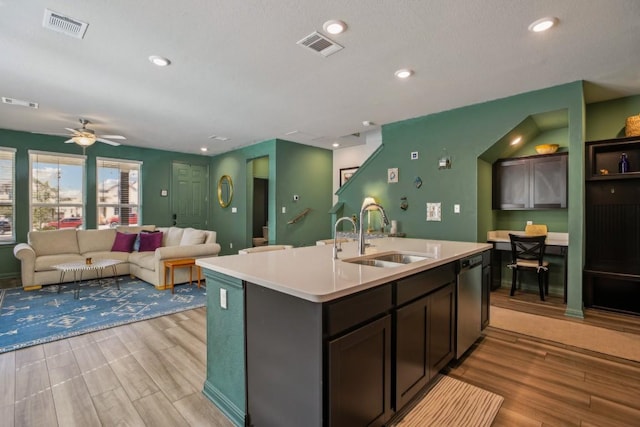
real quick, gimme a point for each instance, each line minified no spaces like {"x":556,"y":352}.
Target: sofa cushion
{"x":146,"y":260}
{"x":191,"y":236}
{"x":124,"y":242}
{"x":46,"y":262}
{"x":96,"y":240}
{"x":150,"y":241}
{"x":172,"y":236}
{"x":120,"y":256}
{"x":54,"y":242}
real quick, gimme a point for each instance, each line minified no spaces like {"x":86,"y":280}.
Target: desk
{"x":556,"y":244}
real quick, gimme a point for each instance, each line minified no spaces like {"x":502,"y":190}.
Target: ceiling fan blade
{"x":106,"y":141}
{"x":71,"y":130}
{"x":69,"y":141}
{"x":113,"y":136}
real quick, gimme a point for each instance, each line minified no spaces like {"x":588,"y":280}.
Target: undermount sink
{"x":387,"y":260}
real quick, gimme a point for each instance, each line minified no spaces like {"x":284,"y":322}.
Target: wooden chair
{"x":527,"y":253}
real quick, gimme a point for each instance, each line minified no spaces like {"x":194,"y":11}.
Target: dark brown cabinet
{"x":486,"y":288}
{"x":425,"y":334}
{"x":533,"y":182}
{"x":612,"y":226}
{"x":360,"y":376}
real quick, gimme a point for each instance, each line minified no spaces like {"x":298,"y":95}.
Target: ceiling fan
{"x":85,"y":137}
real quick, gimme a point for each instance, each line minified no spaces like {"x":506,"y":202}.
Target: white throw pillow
{"x":191,"y":236}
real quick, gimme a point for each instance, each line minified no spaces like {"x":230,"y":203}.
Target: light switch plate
{"x":234,"y":210}
{"x":392,"y":175}
{"x":223,"y":298}
{"x":456,"y":208}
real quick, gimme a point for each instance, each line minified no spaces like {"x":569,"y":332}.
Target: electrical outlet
{"x":223,"y":298}
{"x":529,"y":222}
{"x":296,"y":197}
{"x":414,"y":155}
{"x":284,"y":209}
{"x":230,"y":245}
{"x":234,"y":210}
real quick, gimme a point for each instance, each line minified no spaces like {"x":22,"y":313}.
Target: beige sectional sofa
{"x":48,"y":248}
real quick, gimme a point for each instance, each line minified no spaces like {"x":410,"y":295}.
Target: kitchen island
{"x":297,"y":338}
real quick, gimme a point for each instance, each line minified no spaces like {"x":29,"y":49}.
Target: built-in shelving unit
{"x":612,"y":214}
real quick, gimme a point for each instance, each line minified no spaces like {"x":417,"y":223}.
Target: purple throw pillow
{"x":150,"y":241}
{"x":123,"y":242}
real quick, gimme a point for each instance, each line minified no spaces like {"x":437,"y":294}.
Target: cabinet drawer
{"x":355,"y":309}
{"x":423,"y":283}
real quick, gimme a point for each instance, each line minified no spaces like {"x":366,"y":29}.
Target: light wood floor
{"x":546,"y":384}
{"x":151,"y":373}
{"x":148,"y":373}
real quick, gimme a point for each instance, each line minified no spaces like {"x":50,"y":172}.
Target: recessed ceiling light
{"x":516,"y":140}
{"x":204,"y":149}
{"x":543,"y":24}
{"x":403,"y":73}
{"x":334,"y":26}
{"x":159,"y":61}
{"x":367,"y":123}
{"x":335,"y":144}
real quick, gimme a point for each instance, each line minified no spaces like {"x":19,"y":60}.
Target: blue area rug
{"x":36,"y":317}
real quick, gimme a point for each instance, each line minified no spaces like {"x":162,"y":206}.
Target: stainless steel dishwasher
{"x":469,"y":307}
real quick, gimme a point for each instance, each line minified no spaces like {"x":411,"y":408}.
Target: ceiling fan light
{"x":84,"y":140}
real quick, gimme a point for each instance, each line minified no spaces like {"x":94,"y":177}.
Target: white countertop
{"x":311,"y":272}
{"x":553,"y":239}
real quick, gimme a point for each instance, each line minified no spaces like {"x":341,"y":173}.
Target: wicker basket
{"x":633,"y":126}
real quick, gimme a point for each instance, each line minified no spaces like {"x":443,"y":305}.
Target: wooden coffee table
{"x":180,"y":263}
{"x":79,"y":267}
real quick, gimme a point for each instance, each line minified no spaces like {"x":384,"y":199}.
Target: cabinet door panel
{"x":442,"y":306}
{"x":549,"y":183}
{"x":360,"y":376}
{"x":511,"y":185}
{"x":412,"y":367}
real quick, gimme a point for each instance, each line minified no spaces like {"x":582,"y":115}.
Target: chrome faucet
{"x":335,"y":234}
{"x":361,"y":244}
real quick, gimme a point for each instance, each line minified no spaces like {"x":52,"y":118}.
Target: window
{"x":7,"y":185}
{"x":57,"y":190}
{"x":118,"y":192}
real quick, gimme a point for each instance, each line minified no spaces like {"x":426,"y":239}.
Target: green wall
{"x":466,"y":133}
{"x":156,"y":175}
{"x":605,"y":120}
{"x":293,"y":169}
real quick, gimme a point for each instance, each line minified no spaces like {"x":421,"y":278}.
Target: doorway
{"x":259,"y":170}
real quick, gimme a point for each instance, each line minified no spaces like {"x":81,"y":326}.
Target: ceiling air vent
{"x":320,"y":44}
{"x":12,"y":101}
{"x":64,"y":24}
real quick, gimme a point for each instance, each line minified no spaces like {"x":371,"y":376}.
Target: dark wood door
{"x":441,"y":327}
{"x":360,"y":376}
{"x":412,"y":364}
{"x":486,"y":295}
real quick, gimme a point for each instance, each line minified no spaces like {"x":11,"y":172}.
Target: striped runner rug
{"x":450,"y":402}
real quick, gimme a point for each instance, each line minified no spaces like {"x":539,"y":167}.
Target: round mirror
{"x":225,"y":190}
